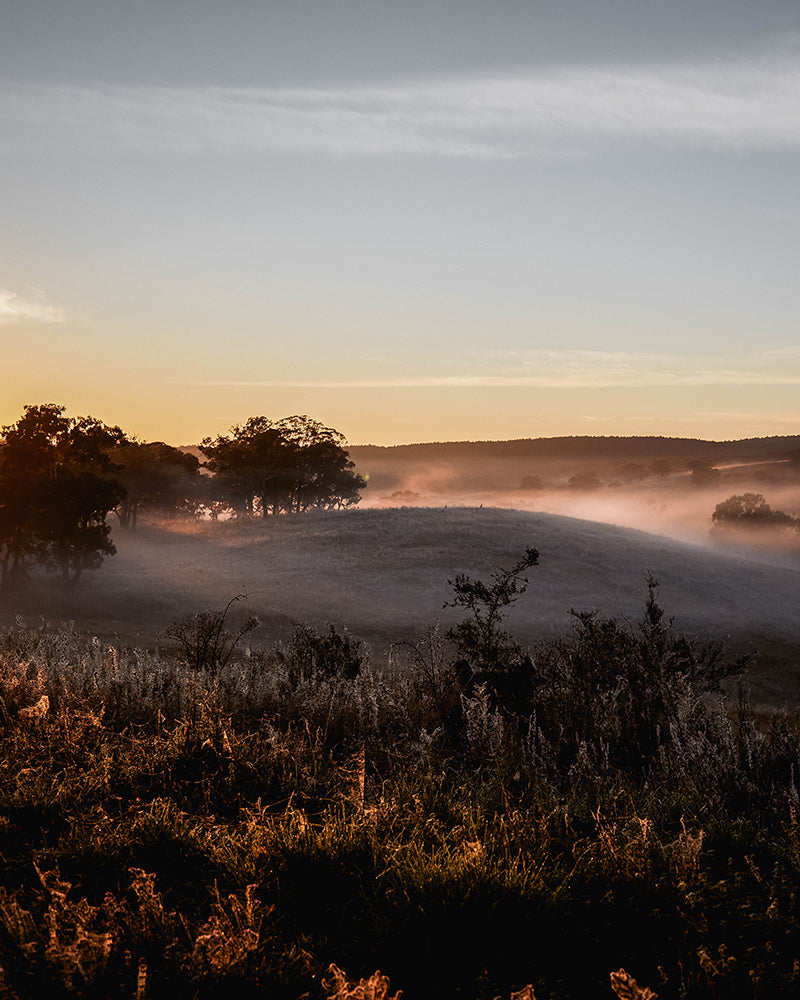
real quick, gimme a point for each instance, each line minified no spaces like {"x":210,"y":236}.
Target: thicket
{"x":473,"y":825}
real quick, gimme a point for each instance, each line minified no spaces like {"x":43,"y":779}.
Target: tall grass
{"x":259,"y":824}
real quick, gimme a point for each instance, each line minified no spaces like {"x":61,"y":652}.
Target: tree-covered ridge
{"x":600,"y":446}
{"x":545,"y":463}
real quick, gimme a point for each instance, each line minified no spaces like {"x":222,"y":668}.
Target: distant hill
{"x":628,"y":448}
{"x":479,"y":464}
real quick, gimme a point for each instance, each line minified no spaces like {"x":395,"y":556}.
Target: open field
{"x":383,"y":575}
{"x":466,"y":819}
{"x":458,"y":814}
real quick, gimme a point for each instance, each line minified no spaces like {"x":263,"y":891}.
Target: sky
{"x":413,"y":221}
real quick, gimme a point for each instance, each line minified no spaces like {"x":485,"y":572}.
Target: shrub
{"x":205,"y":641}
{"x":749,"y":510}
{"x":487,"y":655}
{"x":313,"y":654}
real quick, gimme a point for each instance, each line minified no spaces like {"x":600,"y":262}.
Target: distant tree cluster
{"x":586,"y":481}
{"x":632,"y":472}
{"x":750,"y":511}
{"x":703,"y":473}
{"x":61,"y":477}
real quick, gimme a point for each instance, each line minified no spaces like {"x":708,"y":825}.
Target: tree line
{"x":62,"y":477}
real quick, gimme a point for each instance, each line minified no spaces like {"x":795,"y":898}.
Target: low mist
{"x":381,"y":570}
{"x":673,"y":506}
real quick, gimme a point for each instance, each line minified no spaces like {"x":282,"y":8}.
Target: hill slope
{"x":383,"y":574}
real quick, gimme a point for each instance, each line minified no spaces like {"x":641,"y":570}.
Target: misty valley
{"x":292,"y":718}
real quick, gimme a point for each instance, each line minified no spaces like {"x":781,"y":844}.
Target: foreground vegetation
{"x":470,"y":817}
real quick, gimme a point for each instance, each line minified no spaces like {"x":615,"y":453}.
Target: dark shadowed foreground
{"x":470,"y":819}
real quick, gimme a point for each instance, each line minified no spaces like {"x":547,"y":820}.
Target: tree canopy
{"x":56,"y":492}
{"x":585,"y":481}
{"x":749,"y":510}
{"x":284,"y":466}
{"x":703,"y":473}
{"x":157,"y":477}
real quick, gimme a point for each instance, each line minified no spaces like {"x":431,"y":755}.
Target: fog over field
{"x":383,"y":575}
{"x":603,"y":514}
{"x":672,"y":510}
{"x":671,"y":504}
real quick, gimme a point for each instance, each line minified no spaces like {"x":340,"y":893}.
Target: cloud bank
{"x":725,"y":104}
{"x":16,"y":309}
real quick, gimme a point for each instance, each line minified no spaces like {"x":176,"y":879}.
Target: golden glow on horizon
{"x":159,"y":390}
{"x":183,"y":415}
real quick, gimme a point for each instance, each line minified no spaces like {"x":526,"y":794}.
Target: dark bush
{"x":324,"y":655}
{"x":205,"y":641}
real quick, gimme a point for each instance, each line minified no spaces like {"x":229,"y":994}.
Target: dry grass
{"x":626,"y":987}
{"x":185,"y":833}
{"x":374,"y":988}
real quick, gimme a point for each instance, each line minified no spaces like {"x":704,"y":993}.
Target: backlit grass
{"x":259,"y":826}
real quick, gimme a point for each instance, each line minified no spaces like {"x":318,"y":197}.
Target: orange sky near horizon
{"x":391,"y":416}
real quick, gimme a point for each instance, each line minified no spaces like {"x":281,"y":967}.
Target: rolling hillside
{"x":383,"y":574}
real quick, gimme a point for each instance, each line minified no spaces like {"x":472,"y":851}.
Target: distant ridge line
{"x":654,"y":446}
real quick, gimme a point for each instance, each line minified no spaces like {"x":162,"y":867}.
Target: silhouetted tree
{"x":749,"y":510}
{"x":632,"y":472}
{"x":284,"y":466}
{"x":156,"y":476}
{"x":17,"y":520}
{"x":703,"y":473}
{"x":487,"y":654}
{"x":250,"y":466}
{"x":56,"y":490}
{"x":72,"y":521}
{"x":661,"y":468}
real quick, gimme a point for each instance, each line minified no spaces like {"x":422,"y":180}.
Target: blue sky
{"x":412,"y":221}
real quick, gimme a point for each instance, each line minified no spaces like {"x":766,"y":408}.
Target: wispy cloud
{"x":761,"y":417}
{"x":16,"y":309}
{"x":735,"y":103}
{"x":571,"y":369}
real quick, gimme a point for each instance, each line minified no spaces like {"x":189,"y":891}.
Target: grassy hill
{"x":383,"y":574}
